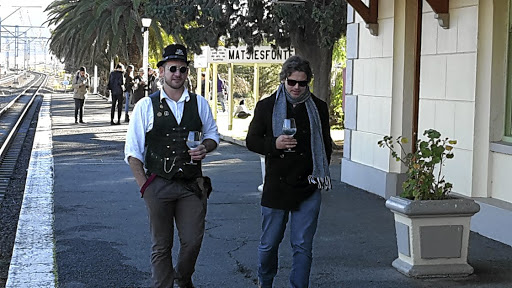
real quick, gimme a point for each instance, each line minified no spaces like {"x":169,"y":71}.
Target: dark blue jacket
{"x":116,"y":82}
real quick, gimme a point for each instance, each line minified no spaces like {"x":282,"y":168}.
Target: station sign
{"x":201,"y":61}
{"x":241,"y":55}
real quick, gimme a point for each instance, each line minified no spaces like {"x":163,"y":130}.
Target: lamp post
{"x":146,"y":22}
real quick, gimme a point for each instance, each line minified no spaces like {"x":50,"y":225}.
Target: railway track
{"x":16,"y":113}
{"x":12,"y":78}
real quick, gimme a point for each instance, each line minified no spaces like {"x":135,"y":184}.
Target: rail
{"x":14,"y":129}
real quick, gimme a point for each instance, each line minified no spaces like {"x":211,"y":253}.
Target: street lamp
{"x":146,"y":22}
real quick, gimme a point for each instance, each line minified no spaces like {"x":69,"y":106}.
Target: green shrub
{"x":422,"y":183}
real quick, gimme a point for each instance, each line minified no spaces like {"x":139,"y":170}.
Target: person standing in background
{"x":80,"y":86}
{"x":116,"y":87}
{"x":220,"y":93}
{"x":128,"y":86}
{"x":203,"y":84}
{"x":152,"y":82}
{"x":139,"y":87}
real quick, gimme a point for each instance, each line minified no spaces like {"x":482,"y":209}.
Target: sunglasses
{"x":182,"y":69}
{"x":292,"y":83}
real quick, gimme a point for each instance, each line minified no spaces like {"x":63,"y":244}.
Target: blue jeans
{"x":302,"y":230}
{"x":127,"y":103}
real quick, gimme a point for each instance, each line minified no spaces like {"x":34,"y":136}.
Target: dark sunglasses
{"x":173,"y":69}
{"x":292,"y":83}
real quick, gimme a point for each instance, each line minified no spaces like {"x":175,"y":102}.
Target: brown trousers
{"x":170,"y":202}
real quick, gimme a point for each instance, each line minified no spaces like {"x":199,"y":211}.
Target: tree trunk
{"x":134,"y":53}
{"x":321,"y":62}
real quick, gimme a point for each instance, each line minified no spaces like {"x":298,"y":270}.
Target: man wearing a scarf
{"x":293,"y":180}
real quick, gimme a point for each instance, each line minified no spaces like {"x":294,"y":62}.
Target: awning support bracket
{"x":368,"y":13}
{"x":441,"y":8}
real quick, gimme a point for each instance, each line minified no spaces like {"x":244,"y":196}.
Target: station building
{"x":455,"y":70}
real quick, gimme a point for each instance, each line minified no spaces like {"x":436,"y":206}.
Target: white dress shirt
{"x":141,"y":122}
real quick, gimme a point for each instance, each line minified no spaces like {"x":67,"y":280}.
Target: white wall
{"x":500,"y":160}
{"x":373,"y":77}
{"x":448,"y":85}
{"x":448,"y":89}
{"x":463,"y":87}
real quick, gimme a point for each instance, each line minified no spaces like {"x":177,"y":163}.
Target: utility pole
{"x":17,"y":36}
{"x":2,"y":28}
{"x":16,"y":30}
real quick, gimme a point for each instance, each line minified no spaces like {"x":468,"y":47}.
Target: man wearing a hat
{"x":173,"y":188}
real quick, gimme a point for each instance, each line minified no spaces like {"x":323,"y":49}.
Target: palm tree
{"x":97,"y":31}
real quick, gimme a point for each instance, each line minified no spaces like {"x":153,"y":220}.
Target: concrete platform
{"x":99,"y":235}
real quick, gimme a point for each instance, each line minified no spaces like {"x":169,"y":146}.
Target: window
{"x":508,"y":116}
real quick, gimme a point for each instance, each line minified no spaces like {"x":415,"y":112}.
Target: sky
{"x":33,"y":15}
{"x":29,"y":16}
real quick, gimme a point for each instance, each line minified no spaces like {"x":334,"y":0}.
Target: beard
{"x":175,"y":85}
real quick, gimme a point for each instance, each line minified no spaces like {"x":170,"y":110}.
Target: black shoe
{"x":181,"y":282}
{"x":76,"y":121}
{"x":112,"y":122}
{"x":118,"y":122}
{"x":126,"y":118}
{"x":187,"y":284}
{"x":82,"y":121}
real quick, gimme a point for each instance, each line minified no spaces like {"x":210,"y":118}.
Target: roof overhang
{"x":370,"y":13}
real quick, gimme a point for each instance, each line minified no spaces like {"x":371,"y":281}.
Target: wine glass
{"x":193,"y":140}
{"x":289,"y":128}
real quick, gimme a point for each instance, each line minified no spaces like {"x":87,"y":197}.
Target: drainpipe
{"x":416,"y":96}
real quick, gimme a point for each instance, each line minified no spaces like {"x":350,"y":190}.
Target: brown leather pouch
{"x":205,"y":184}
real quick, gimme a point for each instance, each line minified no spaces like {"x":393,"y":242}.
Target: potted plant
{"x":432,"y":227}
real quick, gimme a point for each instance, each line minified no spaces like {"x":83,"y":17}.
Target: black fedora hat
{"x":174,"y":52}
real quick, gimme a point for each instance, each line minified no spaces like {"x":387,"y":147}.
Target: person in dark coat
{"x":140,"y":86}
{"x":152,"y":82}
{"x":115,"y":85}
{"x":293,"y":180}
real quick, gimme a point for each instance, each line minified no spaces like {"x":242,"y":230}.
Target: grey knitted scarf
{"x":320,"y":175}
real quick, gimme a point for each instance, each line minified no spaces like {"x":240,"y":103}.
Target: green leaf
{"x":136,"y":4}
{"x":101,"y":8}
{"x":116,"y":19}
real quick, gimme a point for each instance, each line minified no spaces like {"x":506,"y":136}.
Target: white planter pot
{"x":432,"y":236}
